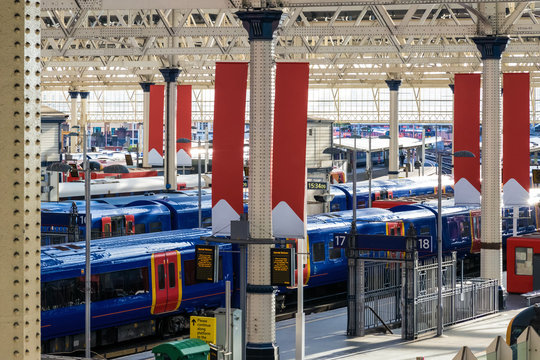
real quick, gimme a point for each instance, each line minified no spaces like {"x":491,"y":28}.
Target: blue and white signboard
{"x":340,"y":240}
{"x":424,"y":244}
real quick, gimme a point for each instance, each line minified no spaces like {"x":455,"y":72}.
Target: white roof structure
{"x":108,"y":43}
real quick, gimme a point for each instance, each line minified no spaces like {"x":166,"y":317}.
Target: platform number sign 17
{"x":340,"y":241}
{"x":425,"y":244}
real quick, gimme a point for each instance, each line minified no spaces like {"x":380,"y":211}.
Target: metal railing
{"x":478,"y":297}
{"x":462,"y":301}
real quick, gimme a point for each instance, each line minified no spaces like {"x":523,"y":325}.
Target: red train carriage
{"x":523,"y":263}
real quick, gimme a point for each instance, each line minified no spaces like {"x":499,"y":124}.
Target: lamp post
{"x":464,"y":154}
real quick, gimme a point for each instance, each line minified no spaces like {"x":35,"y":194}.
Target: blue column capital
{"x":170,"y":74}
{"x":260,"y":24}
{"x":84,"y":94}
{"x":73,"y":94}
{"x":491,"y":47}
{"x":451,"y":86}
{"x":393,"y":85}
{"x":146,"y":86}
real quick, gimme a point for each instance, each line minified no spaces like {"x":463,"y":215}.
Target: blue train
{"x":117,"y":216}
{"x":145,"y":284}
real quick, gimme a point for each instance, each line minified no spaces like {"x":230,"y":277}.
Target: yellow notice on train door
{"x":202,"y":327}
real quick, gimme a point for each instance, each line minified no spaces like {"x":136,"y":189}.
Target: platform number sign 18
{"x":340,"y":241}
{"x":425,"y":244}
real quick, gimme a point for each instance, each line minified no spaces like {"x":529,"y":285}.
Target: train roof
{"x":411,"y":182}
{"x":100,"y":209}
{"x":118,"y":186}
{"x":118,"y":249}
{"x":185,"y":195}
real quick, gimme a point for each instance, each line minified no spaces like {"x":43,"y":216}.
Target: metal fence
{"x":462,"y":299}
{"x":382,"y":294}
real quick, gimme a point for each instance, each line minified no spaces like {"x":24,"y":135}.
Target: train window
{"x":453,"y":230}
{"x":140,"y":229}
{"x":333,"y":253}
{"x":425,"y":230}
{"x":172,"y":275}
{"x":155,"y":226}
{"x":118,"y":226}
{"x":318,"y":251}
{"x":464,"y":227}
{"x":189,"y":272}
{"x":106,"y":230}
{"x":161,"y":276}
{"x":476,"y":227}
{"x":61,"y":293}
{"x":96,"y":234}
{"x":121,"y":283}
{"x":524,"y":258}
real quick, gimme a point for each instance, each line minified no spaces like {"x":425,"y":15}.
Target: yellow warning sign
{"x":204,"y":328}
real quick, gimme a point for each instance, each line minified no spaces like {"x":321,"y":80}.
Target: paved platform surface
{"x":326,"y":339}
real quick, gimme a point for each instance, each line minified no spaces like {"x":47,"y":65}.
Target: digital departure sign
{"x":206,"y":263}
{"x":282,"y":266}
{"x":317,"y":185}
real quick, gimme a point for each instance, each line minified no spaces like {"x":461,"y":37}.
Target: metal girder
{"x":94,"y":42}
{"x":224,"y":4}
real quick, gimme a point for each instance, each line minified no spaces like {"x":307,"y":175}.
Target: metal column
{"x":170,"y":75}
{"x":73,"y":120}
{"x":20,"y":211}
{"x":393,"y":152}
{"x":261,"y":307}
{"x":146,"y":121}
{"x":491,"y":49}
{"x":84,"y":117}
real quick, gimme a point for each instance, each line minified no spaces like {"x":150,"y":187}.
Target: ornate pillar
{"x":73,"y":120}
{"x":170,"y":75}
{"x":393,"y":151}
{"x":491,"y":49}
{"x":20,"y":178}
{"x":146,"y":121}
{"x":261,"y":306}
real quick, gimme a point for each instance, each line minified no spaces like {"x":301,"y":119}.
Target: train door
{"x":395,"y":228}
{"x":106,"y":230}
{"x":166,"y":282}
{"x":475,"y":233}
{"x":130,"y":224}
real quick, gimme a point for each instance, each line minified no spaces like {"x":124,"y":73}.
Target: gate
{"x":392,"y":286}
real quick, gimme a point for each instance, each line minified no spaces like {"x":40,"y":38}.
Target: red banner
{"x":183,"y":124}
{"x":228,"y":145}
{"x":155,"y":131}
{"x":289,"y":150}
{"x":467,"y":137}
{"x":516,"y":152}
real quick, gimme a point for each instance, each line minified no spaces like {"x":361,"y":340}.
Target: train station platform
{"x":326,"y":338}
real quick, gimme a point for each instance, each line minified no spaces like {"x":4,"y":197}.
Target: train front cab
{"x":523,"y":263}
